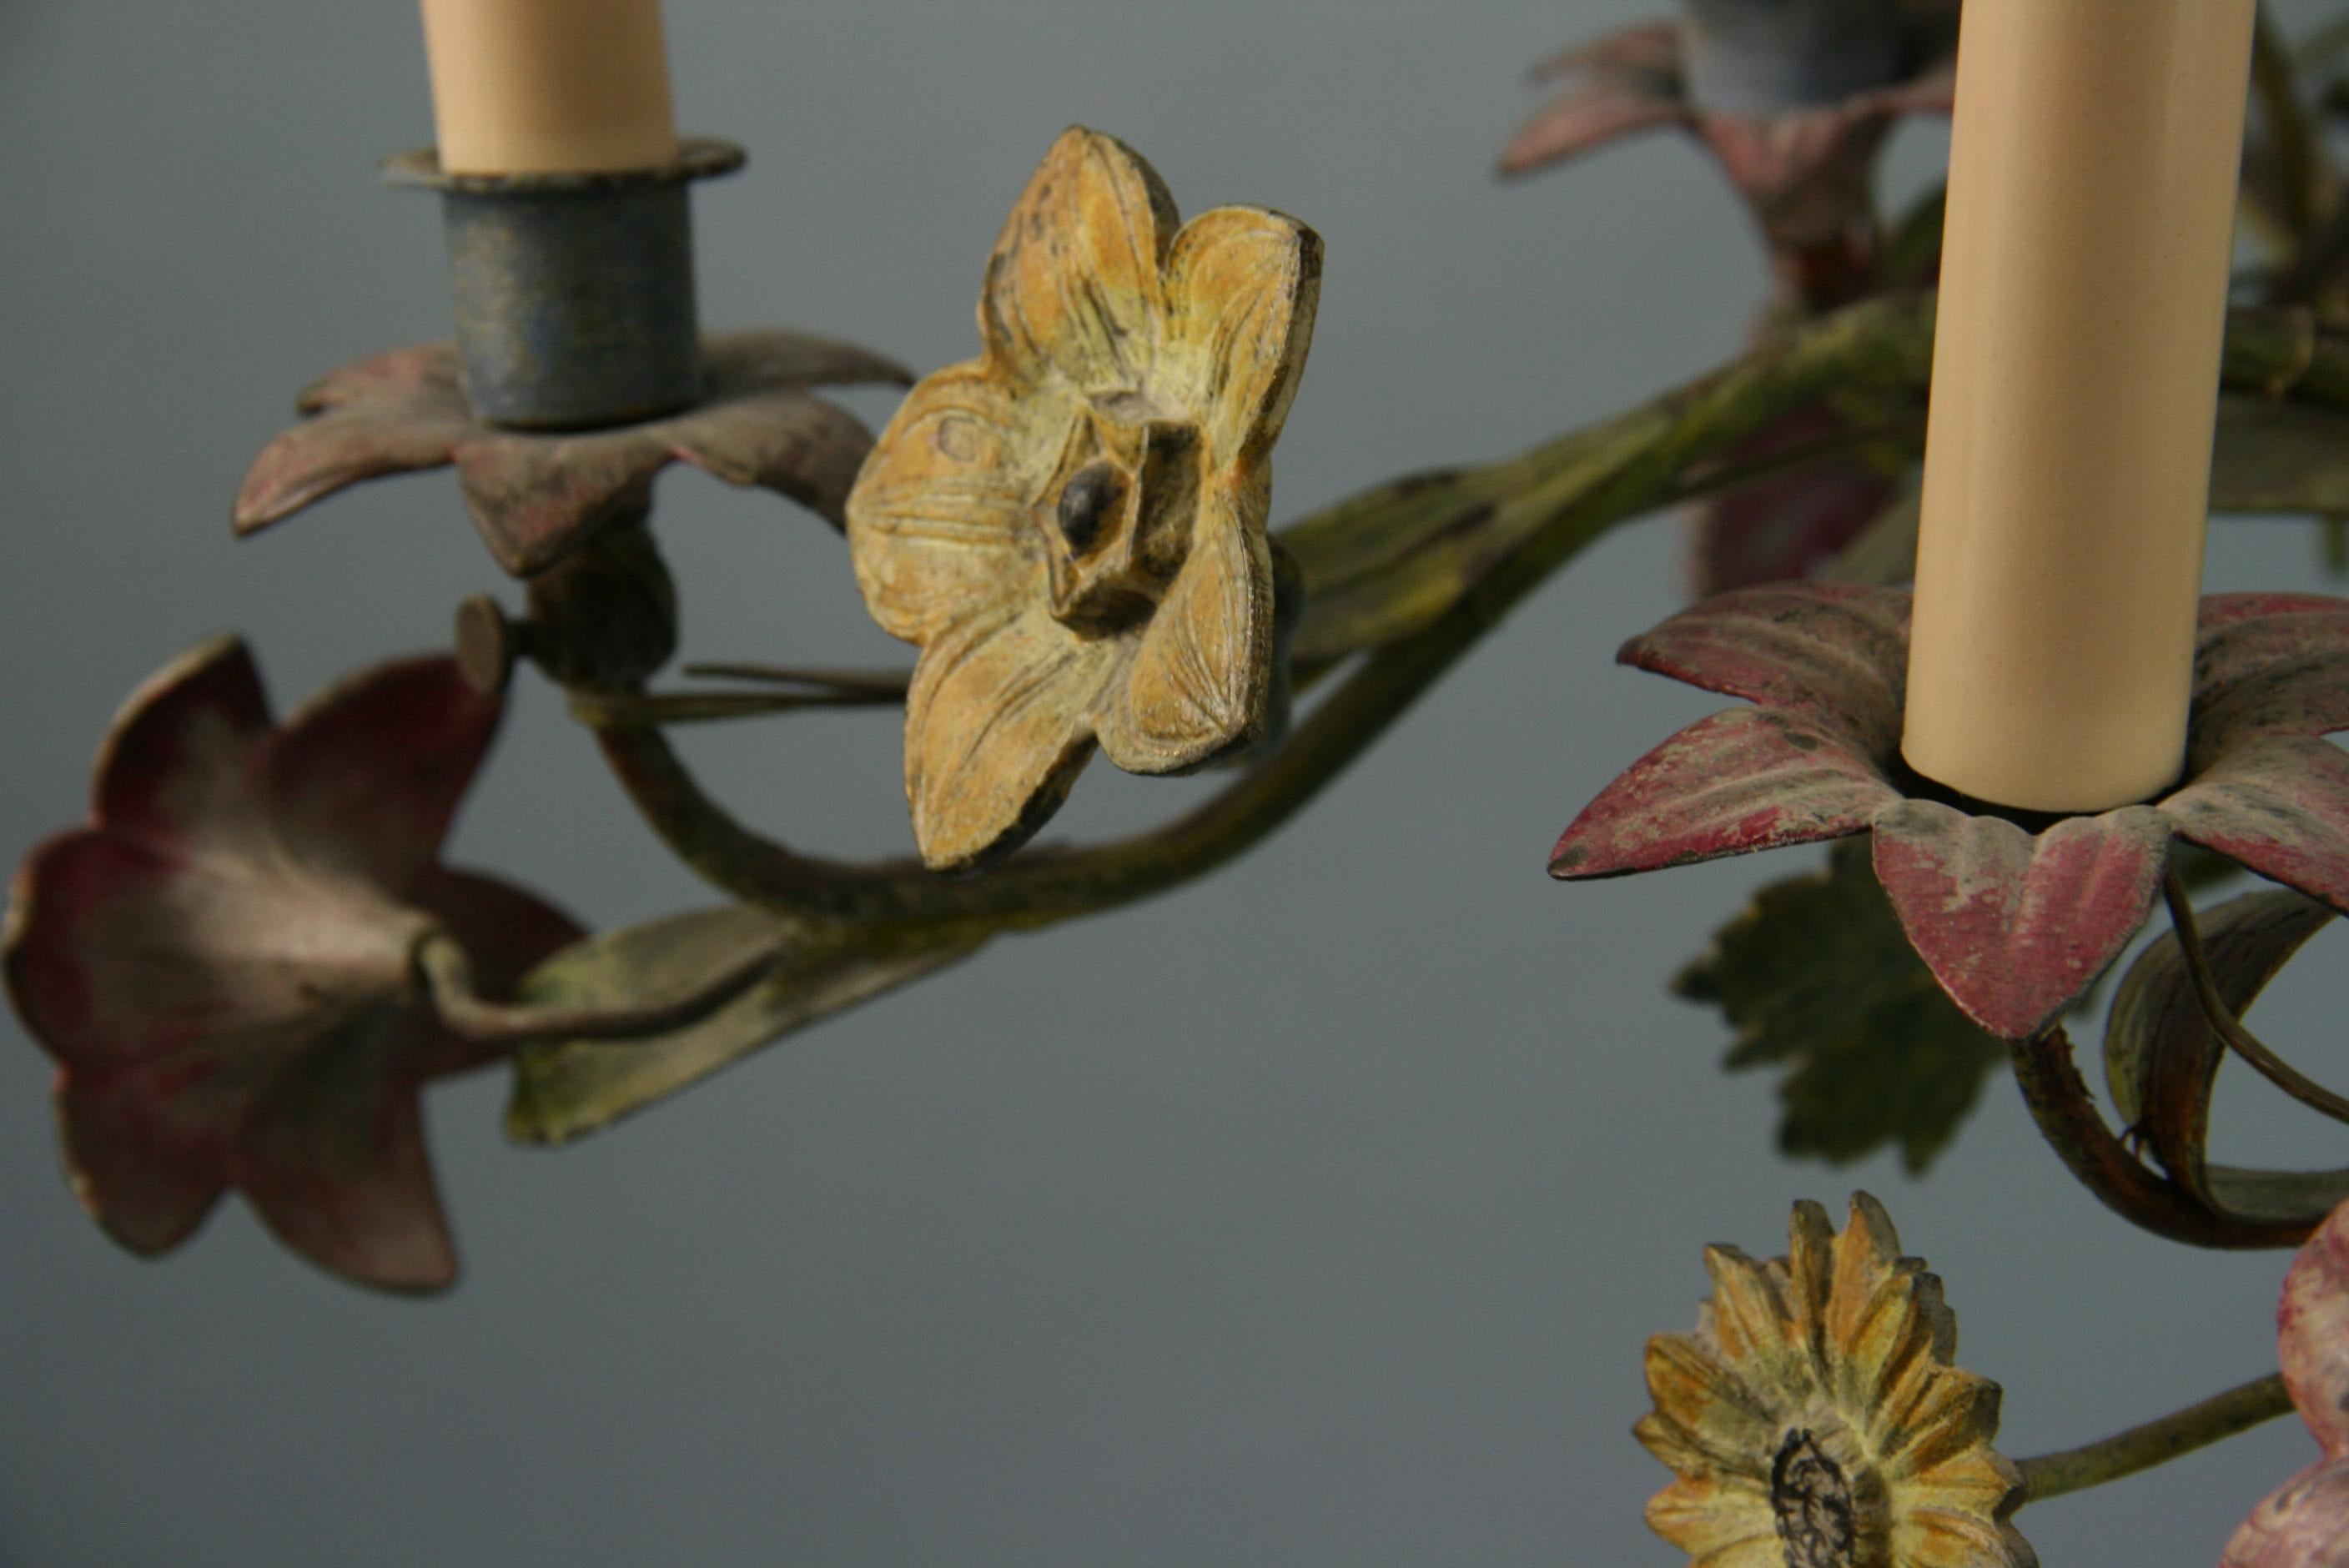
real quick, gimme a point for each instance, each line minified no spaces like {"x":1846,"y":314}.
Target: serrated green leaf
{"x":565,"y":1088}
{"x":1816,"y":976}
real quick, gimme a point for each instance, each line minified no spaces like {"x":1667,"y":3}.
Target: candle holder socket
{"x":573,"y":292}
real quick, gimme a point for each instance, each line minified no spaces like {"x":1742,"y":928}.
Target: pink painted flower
{"x":2304,"y":1523}
{"x":222,"y":960}
{"x":538,"y":495}
{"x":1794,"y":100}
{"x":2015,"y":923}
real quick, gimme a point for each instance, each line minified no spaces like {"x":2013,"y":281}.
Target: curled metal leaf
{"x":2162,"y":1057}
{"x":565,"y":1088}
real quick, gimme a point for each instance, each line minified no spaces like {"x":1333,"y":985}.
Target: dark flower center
{"x":1817,"y":1515}
{"x":1088,"y":504}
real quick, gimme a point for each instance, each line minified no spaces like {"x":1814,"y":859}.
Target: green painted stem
{"x":1463,"y":573}
{"x":2155,"y":1442}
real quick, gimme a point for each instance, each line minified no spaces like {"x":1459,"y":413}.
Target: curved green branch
{"x":1411,"y":576}
{"x":2239,"y":1409}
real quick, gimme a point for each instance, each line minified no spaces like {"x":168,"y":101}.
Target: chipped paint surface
{"x":2014,"y":924}
{"x":2304,"y":1523}
{"x":219,"y":961}
{"x":537,"y":496}
{"x":1803,"y":166}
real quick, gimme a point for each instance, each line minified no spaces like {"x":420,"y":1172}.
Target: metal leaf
{"x":1817,"y":976}
{"x":565,"y":1089}
{"x":2161,"y":1056}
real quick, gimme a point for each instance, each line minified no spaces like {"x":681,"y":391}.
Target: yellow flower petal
{"x":1708,"y":1404}
{"x":1817,"y":1397}
{"x":1073,"y":285}
{"x":1945,"y":1538}
{"x":1242,"y":285}
{"x":939,"y":524}
{"x":994,"y":733}
{"x":1196,"y":685}
{"x":1715,"y":1522}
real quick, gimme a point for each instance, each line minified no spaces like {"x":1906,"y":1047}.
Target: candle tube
{"x":2075,"y":372}
{"x":546,"y":87}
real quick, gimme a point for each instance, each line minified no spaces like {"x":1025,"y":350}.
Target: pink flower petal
{"x":535,"y":499}
{"x":783,"y":440}
{"x":1836,"y":653}
{"x":367,"y":778}
{"x":318,"y":456}
{"x":2014,"y":927}
{"x":1606,"y":108}
{"x":178,"y":747}
{"x":2304,"y":1523}
{"x":2268,"y":664}
{"x":2279,"y":806}
{"x":2313,"y":1334}
{"x":1750,"y":778}
{"x":146,"y":1166}
{"x":1788,"y":525}
{"x":332,"y":1157}
{"x":1648,"y":48}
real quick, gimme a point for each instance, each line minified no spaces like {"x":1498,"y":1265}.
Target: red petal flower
{"x":220,"y":962}
{"x":1802,"y":161}
{"x":2015,"y":925}
{"x":537,"y":496}
{"x":2304,"y":1523}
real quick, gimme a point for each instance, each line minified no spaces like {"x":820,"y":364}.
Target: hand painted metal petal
{"x":2014,"y":927}
{"x":1196,"y":684}
{"x":1242,"y":286}
{"x":2312,"y":1334}
{"x":1625,"y":82}
{"x":939,"y":524}
{"x":1750,"y":778}
{"x":1651,"y":49}
{"x":1074,"y":286}
{"x":312,"y":461}
{"x":389,"y":413}
{"x":537,"y":498}
{"x":1806,"y":173}
{"x":2267,"y":663}
{"x":2279,"y":806}
{"x":994,"y":736}
{"x":179,"y":747}
{"x":1836,"y":653}
{"x":332,"y":1156}
{"x":143,"y":1162}
{"x":1785,"y":526}
{"x":366,"y":777}
{"x":2304,"y":1523}
{"x":783,"y":440}
{"x":2161,"y":1056}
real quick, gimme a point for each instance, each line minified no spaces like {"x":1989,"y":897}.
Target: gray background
{"x":1314,"y":1214}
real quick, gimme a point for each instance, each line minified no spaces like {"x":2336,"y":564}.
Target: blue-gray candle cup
{"x":573,"y":293}
{"x":1764,"y":57}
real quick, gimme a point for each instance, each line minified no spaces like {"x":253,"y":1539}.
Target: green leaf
{"x":567,"y":1087}
{"x":2161,"y":1056}
{"x":1817,"y":976}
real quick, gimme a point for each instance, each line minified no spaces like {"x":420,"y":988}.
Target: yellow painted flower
{"x":1815,"y":1420}
{"x":1071,"y":525}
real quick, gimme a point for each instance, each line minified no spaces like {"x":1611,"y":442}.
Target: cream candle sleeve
{"x":2075,"y":371}
{"x":533,"y":86}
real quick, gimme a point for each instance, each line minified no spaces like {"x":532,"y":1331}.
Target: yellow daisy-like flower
{"x":1071,"y":525}
{"x":1815,"y":1420}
